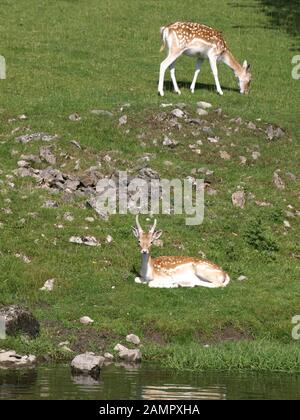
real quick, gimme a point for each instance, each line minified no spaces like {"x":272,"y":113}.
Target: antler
{"x":139,"y":227}
{"x":152,"y":230}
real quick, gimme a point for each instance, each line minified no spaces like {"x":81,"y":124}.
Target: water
{"x":148,"y":382}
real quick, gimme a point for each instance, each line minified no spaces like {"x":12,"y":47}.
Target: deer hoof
{"x":161,"y":93}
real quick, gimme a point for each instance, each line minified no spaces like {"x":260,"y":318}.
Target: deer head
{"x":146,"y":239}
{"x":245,"y":78}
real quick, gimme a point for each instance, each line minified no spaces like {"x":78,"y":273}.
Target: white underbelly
{"x":197,"y":52}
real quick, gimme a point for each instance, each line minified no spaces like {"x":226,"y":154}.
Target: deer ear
{"x":135,"y":231}
{"x":157,"y":234}
{"x":245,"y":65}
{"x":248,"y":67}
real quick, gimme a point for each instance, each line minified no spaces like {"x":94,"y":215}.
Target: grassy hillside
{"x":75,"y":56}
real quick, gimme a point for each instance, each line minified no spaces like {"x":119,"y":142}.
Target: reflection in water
{"x":182,"y":392}
{"x":149,"y":382}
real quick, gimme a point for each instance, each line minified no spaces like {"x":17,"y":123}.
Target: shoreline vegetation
{"x":65,"y":123}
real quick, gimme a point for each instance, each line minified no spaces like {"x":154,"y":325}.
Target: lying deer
{"x":200,"y":41}
{"x":171,"y":272}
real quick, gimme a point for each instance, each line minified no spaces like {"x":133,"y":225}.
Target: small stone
{"x":84,"y":240}
{"x":251,"y":126}
{"x":123,"y":120}
{"x":109,"y":239}
{"x":119,"y":347}
{"x":75,"y":117}
{"x":109,"y":356}
{"x":134,"y":339}
{"x":287,"y":224}
{"x":242,"y":278}
{"x":131,"y":356}
{"x":225,"y":155}
{"x":204,"y":105}
{"x":47,"y":155}
{"x":178,"y":113}
{"x":22,"y":117}
{"x":243,"y":160}
{"x":89,"y":219}
{"x":48,"y":286}
{"x":50,"y":204}
{"x":238,"y":199}
{"x":169,"y":142}
{"x":68,"y":217}
{"x":213,"y":139}
{"x":201,"y":112}
{"x":256,"y":155}
{"x":86,"y":320}
{"x":278,"y":181}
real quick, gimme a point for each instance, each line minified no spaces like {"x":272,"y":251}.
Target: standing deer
{"x":200,"y":41}
{"x":171,"y":272}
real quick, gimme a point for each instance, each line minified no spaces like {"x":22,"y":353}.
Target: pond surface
{"x":148,"y":382}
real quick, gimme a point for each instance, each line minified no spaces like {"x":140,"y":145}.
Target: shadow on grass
{"x":199,"y":86}
{"x":282,"y":14}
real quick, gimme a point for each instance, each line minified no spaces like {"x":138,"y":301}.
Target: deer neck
{"x":231,"y":62}
{"x":146,"y":270}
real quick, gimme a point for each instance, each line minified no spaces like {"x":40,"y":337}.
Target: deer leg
{"x":163,"y":67}
{"x":197,"y":71}
{"x":172,"y":72}
{"x":214,"y":69}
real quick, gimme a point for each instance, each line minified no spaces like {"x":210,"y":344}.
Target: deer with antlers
{"x":171,"y":272}
{"x":200,"y":41}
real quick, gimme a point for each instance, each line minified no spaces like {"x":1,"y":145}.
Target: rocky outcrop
{"x":11,"y":360}
{"x":18,"y":320}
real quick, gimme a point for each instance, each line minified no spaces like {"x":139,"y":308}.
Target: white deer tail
{"x":164,"y":32}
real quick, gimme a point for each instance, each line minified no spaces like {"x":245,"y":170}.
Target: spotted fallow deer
{"x":171,"y":272}
{"x":200,"y":41}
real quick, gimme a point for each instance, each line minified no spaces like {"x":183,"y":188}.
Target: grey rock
{"x":35,"y":137}
{"x":134,"y":339}
{"x":225,"y":155}
{"x":251,"y":126}
{"x":84,"y":240}
{"x":242,"y":278}
{"x":148,"y":174}
{"x":169,"y":142}
{"x":119,"y":347}
{"x":238,"y":199}
{"x":123,"y":120}
{"x":87,"y":364}
{"x":48,"y":286}
{"x":274,"y":132}
{"x":50,"y":204}
{"x":204,"y":105}
{"x":19,"y":320}
{"x":278,"y":181}
{"x":202,"y":112}
{"x":75,"y":117}
{"x":109,"y":356}
{"x":11,"y":360}
{"x":178,"y":113}
{"x":131,"y":356}
{"x":86,"y":320}
{"x":47,"y":155}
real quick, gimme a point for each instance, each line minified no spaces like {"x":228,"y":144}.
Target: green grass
{"x":69,"y":56}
